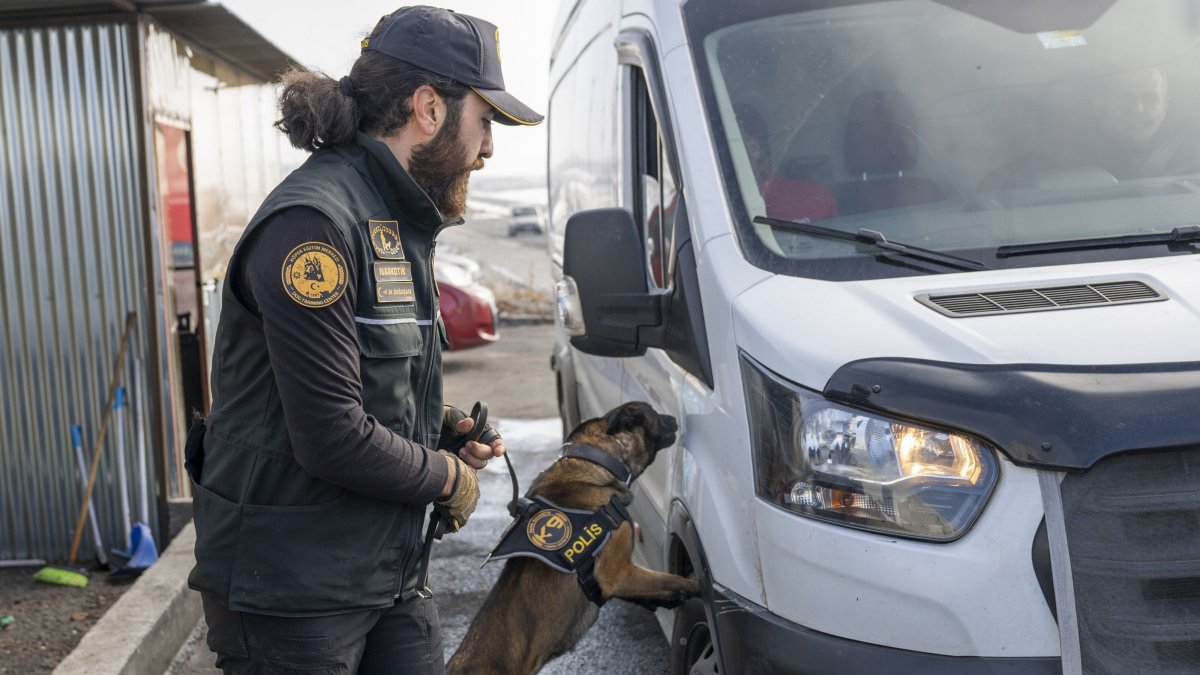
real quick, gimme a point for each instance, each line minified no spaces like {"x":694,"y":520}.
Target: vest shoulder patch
{"x":385,"y":239}
{"x":314,"y":275}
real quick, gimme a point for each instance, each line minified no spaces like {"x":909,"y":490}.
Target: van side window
{"x":656,"y":199}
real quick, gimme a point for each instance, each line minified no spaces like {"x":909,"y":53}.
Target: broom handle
{"x":108,"y":406}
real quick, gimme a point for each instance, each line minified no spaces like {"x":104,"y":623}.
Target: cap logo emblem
{"x":497,"y":44}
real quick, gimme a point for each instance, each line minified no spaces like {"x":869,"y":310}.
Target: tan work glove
{"x":452,"y":439}
{"x":460,"y":504}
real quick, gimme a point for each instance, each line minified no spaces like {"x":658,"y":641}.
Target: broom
{"x":69,"y":575}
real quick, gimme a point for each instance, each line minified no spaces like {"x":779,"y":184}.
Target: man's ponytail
{"x":317,"y":111}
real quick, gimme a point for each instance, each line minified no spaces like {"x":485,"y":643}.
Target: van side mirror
{"x":604,"y":299}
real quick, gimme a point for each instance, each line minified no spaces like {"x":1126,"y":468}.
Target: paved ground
{"x":513,"y":376}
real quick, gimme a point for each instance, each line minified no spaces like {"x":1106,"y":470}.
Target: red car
{"x":468,"y":307}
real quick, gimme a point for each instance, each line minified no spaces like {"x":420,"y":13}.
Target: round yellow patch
{"x":314,"y":275}
{"x":549,"y":529}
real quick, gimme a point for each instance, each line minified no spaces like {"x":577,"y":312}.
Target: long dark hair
{"x":320,"y":112}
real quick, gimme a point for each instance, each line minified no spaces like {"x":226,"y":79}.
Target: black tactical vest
{"x":271,"y":538}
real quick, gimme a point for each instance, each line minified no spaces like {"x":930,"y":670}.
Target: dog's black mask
{"x":659,"y":430}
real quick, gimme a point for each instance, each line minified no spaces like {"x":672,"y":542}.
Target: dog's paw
{"x":674,"y":600}
{"x":667,"y":599}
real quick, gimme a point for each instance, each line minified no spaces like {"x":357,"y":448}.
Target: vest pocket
{"x":216,"y":520}
{"x":334,"y":556}
{"x":389,"y":340}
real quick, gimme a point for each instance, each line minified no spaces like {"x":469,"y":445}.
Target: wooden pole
{"x":108,"y":405}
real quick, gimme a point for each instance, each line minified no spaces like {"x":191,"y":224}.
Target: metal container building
{"x":135,"y":142}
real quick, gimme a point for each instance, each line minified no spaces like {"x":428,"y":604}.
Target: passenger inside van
{"x":786,"y":197}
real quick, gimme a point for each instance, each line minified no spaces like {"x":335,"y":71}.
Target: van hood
{"x":805,"y":329}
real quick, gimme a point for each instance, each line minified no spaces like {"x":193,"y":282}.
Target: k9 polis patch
{"x":549,"y":529}
{"x":314,"y":275}
{"x":560,"y":537}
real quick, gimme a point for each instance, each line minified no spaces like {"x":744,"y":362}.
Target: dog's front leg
{"x":620,"y":578}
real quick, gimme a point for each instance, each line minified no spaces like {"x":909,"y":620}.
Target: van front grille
{"x":1012,"y":301}
{"x":1133,"y":533}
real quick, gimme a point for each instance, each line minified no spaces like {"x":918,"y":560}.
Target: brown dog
{"x":535,"y":613}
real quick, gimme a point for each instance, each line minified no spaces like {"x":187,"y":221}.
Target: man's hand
{"x":457,"y":505}
{"x":456,"y":426}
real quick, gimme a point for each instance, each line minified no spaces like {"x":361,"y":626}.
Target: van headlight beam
{"x":859,"y":469}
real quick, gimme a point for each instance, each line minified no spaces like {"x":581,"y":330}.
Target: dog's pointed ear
{"x":630,"y":416}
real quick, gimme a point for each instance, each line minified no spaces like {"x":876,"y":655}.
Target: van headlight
{"x":860,"y":469}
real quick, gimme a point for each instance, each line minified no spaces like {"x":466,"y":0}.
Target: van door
{"x":654,"y":195}
{"x":583,"y":170}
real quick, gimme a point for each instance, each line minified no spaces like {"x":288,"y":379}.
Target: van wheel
{"x":692,"y":649}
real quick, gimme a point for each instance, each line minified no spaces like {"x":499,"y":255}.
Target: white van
{"x":918,"y":279}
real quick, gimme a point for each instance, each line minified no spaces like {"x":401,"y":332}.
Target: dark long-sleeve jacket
{"x":327,"y":400}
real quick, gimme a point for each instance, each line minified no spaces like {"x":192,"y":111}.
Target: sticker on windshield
{"x":1057,"y":39}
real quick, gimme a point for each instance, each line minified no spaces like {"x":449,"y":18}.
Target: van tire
{"x":692,"y":648}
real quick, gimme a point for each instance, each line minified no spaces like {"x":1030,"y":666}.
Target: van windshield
{"x":953,"y":125}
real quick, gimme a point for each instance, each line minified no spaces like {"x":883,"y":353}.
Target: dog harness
{"x":566,"y":539}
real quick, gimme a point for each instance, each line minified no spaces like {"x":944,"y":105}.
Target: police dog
{"x":535,"y":613}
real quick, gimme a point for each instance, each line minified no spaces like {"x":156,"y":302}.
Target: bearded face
{"x":443,"y":165}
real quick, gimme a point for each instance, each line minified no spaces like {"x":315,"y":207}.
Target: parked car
{"x":468,"y":307}
{"x":930,"y":336}
{"x":526,"y":218}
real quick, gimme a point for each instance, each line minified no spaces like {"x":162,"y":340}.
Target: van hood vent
{"x":1016,"y":300}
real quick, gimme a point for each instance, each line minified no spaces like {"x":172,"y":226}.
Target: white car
{"x":525,"y":219}
{"x":918,"y":279}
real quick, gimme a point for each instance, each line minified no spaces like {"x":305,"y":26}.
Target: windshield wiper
{"x":1182,"y":234}
{"x":876,"y":239}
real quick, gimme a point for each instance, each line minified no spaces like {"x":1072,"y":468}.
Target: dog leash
{"x":437,"y":527}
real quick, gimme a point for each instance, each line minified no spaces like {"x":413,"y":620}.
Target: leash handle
{"x":437,"y":526}
{"x":479,"y":413}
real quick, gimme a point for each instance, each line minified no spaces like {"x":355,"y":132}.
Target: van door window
{"x":656,"y":199}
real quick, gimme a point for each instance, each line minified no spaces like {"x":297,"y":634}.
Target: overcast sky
{"x":324,"y":34}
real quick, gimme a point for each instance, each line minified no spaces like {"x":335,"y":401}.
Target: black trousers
{"x":405,"y":638}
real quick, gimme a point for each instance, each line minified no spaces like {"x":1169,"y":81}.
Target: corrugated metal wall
{"x":71,"y":267}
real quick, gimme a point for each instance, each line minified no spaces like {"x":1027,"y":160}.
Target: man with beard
{"x":328,"y":436}
{"x":1102,"y":131}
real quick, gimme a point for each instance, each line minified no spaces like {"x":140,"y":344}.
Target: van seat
{"x":881,"y":146}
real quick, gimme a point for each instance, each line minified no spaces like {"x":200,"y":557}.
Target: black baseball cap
{"x":454,"y":45}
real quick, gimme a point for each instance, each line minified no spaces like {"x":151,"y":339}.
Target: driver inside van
{"x":1106,"y":131}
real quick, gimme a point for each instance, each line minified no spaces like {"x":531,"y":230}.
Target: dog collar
{"x":595,"y":455}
